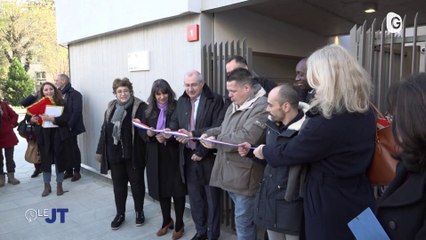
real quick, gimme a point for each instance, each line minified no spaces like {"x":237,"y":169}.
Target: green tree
{"x":17,"y":38}
{"x":28,"y":32}
{"x":18,"y":84}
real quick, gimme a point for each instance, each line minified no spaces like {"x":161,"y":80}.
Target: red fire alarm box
{"x":192,"y":33}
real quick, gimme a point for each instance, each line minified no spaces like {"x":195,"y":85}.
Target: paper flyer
{"x":365,"y":226}
{"x":54,"y":111}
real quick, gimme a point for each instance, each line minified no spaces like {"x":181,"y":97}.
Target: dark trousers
{"x":122,"y":173}
{"x":10,"y":164}
{"x":205,"y":209}
{"x":76,"y":158}
{"x":166,"y":206}
{"x":204,"y":200}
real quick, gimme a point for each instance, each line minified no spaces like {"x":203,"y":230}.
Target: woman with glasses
{"x":121,"y":150}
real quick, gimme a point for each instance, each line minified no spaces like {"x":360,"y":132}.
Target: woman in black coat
{"x":121,"y":150}
{"x":337,"y":144}
{"x":52,"y":142}
{"x":162,"y":159}
{"x":402,"y":208}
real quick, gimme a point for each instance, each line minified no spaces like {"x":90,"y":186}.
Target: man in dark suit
{"x":74,"y":104}
{"x":199,"y":109}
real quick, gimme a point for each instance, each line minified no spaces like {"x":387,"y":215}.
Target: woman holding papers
{"x":50,"y":118}
{"x":162,"y":159}
{"x":121,"y":150}
{"x":402,"y":208}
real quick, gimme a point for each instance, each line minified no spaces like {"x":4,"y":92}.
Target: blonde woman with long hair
{"x":337,"y":144}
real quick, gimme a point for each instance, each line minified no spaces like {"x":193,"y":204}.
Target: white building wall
{"x":95,"y":63}
{"x":264,"y":34}
{"x":81,"y":19}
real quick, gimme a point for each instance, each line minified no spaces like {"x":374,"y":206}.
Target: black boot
{"x":75,"y":177}
{"x":118,"y":220}
{"x":140,"y":218}
{"x":36,"y":173}
{"x":68,"y":174}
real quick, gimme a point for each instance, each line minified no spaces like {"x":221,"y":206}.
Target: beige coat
{"x":232,"y":172}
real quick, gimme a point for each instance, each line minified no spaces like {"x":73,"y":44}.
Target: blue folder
{"x":365,"y":226}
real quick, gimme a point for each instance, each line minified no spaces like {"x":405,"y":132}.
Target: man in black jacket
{"x":74,"y":104}
{"x":279,"y":204}
{"x":199,"y":109}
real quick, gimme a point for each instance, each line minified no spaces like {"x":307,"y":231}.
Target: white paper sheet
{"x":54,"y":111}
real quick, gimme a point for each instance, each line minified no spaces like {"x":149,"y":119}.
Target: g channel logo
{"x":393,"y":22}
{"x":32,"y":214}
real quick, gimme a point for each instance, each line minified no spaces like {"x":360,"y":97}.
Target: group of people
{"x":314,"y":182}
{"x":57,"y":145}
{"x":292,"y":158}
{"x":309,"y":145}
{"x":175,"y":167}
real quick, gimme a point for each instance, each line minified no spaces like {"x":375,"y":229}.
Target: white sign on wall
{"x":138,"y":61}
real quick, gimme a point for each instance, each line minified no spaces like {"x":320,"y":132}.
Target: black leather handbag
{"x":25,"y":129}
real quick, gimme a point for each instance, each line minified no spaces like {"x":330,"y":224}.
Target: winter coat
{"x":208,"y":116}
{"x":231,"y":172}
{"x":338,"y":152}
{"x":272,"y":210}
{"x":53,"y":144}
{"x":74,"y":103}
{"x":9,"y":120}
{"x":138,"y":146}
{"x":162,"y":162}
{"x":402,"y":208}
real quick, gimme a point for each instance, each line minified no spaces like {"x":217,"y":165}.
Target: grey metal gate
{"x":214,"y":57}
{"x":388,"y":57}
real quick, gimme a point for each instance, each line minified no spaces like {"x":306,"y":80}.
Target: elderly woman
{"x":162,"y":159}
{"x":52,"y":142}
{"x":402,"y":208}
{"x":121,"y":150}
{"x":8,"y":140}
{"x":337,"y":144}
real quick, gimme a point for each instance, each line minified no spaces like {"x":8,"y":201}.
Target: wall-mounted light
{"x":370,"y":7}
{"x":336,"y":40}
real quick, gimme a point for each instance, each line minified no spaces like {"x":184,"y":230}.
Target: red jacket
{"x":9,"y":120}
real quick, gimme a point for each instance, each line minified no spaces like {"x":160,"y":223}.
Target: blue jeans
{"x":47,"y":176}
{"x":244,"y":214}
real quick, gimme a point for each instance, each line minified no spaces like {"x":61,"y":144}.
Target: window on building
{"x":41,"y":76}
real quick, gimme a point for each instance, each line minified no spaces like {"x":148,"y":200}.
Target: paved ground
{"x":90,"y":205}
